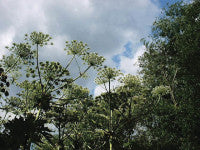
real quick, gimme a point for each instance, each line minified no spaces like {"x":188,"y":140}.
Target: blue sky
{"x":163,"y":3}
{"x":112,"y":28}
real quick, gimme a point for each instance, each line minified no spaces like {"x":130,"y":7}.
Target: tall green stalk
{"x":110,"y":122}
{"x":38,"y":68}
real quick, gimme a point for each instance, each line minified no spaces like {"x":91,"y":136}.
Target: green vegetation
{"x":158,"y":110}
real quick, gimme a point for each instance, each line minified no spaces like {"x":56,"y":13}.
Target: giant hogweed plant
{"x":42,"y":86}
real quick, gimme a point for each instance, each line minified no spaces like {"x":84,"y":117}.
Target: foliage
{"x":157,"y":110}
{"x":44,"y":90}
{"x":170,"y":69}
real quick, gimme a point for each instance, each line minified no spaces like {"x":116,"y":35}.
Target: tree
{"x":170,"y":69}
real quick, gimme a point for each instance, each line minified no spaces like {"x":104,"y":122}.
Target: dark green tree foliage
{"x":170,"y":68}
{"x":4,"y":84}
{"x":18,"y":130}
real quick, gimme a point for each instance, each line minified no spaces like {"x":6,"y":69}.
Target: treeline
{"x":158,"y":110}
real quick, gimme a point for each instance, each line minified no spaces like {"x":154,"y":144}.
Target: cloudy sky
{"x":113,"y":28}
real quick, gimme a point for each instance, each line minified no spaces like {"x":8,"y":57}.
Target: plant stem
{"x":110,"y":124}
{"x":81,"y":74}
{"x":70,"y":62}
{"x":38,"y":68}
{"x":12,"y":65}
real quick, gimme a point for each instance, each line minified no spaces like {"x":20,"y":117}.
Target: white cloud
{"x":56,"y":51}
{"x":130,"y":65}
{"x":104,"y":87}
{"x":6,"y":38}
{"x":127,"y":65}
{"x":106,"y":25}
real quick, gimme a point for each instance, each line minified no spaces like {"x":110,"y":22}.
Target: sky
{"x":112,"y":28}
